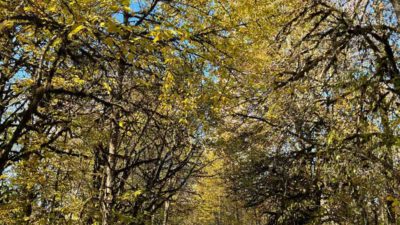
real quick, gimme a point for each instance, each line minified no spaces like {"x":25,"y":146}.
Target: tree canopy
{"x":199,"y":112}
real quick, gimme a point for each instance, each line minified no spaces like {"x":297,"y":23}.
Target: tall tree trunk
{"x":166,"y":209}
{"x":109,"y":177}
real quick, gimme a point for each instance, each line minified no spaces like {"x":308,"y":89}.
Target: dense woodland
{"x":199,"y":112}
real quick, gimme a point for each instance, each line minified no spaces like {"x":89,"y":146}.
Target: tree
{"x":121,"y":86}
{"x":317,"y":144}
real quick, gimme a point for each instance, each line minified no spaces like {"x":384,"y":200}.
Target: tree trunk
{"x":109,"y":177}
{"x":166,"y":208}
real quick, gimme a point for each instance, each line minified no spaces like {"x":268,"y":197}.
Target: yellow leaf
{"x":107,"y":87}
{"x":331,"y":137}
{"x":183,"y":121}
{"x":126,"y":2}
{"x":52,"y":8}
{"x":137,"y":193}
{"x":109,"y":41}
{"x":75,"y":31}
{"x":156,"y":38}
{"x":78,"y":81}
{"x":112,"y":27}
{"x":57,"y":42}
{"x":127,"y":9}
{"x":130,"y":57}
{"x":135,"y":39}
{"x":6,"y":25}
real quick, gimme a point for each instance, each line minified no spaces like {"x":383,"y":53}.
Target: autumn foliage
{"x":199,"y":112}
